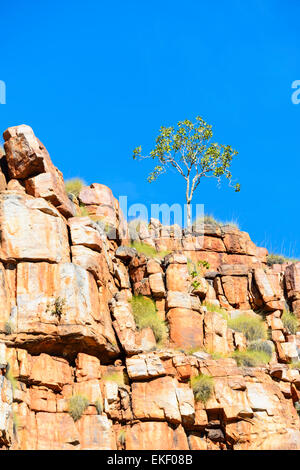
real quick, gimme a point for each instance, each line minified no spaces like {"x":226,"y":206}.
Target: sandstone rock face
{"x":31,"y":229}
{"x":27,"y":159}
{"x":68,"y":328}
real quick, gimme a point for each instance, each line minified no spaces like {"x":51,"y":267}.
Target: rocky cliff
{"x":78,"y":367}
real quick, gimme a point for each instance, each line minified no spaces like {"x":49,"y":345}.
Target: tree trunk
{"x":188,"y":213}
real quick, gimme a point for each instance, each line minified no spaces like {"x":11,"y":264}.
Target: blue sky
{"x":95,"y":79}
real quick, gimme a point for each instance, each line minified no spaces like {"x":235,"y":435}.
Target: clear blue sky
{"x":95,"y":79}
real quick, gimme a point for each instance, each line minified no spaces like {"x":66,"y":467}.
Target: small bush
{"x":202,"y":386}
{"x":272,"y":258}
{"x":250,"y":358}
{"x":261,"y":346}
{"x":74,"y":186}
{"x":77,"y":406}
{"x":253,"y":328}
{"x":197,"y":269}
{"x":290,"y":322}
{"x":57,"y":307}
{"x":122,"y":436}
{"x":148,"y":250}
{"x":145,"y":316}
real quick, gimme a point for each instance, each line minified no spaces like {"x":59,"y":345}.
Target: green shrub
{"x":262,"y":346}
{"x":250,"y":358}
{"x":145,"y":316}
{"x":148,"y":250}
{"x":272,"y":258}
{"x":290,"y":322}
{"x":253,"y":327}
{"x":197,"y":269}
{"x":202,"y":386}
{"x":77,"y":406}
{"x":74,"y":186}
{"x":57,"y":307}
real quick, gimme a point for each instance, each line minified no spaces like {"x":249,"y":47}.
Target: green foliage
{"x":189,"y":150}
{"x":145,"y":316}
{"x":99,"y":406}
{"x":77,"y":406}
{"x":253,"y":327}
{"x":272,"y":258}
{"x":122,"y":437}
{"x":57,"y":307}
{"x":290,"y":322}
{"x":195,"y":270}
{"x":250,"y":358}
{"x":117,"y":377}
{"x":262,"y":346}
{"x":74,"y":186}
{"x":148,"y":250}
{"x":202,"y":386}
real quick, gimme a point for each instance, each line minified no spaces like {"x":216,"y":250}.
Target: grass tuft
{"x":74,"y":186}
{"x":253,"y":328}
{"x":290,"y":322}
{"x":250,"y":358}
{"x":145,"y":316}
{"x":148,"y":250}
{"x":77,"y":406}
{"x":203,"y":387}
{"x":261,"y":346}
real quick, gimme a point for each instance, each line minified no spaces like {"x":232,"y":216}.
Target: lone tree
{"x":188,"y":149}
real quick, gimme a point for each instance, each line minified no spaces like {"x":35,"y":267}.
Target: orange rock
{"x":155,"y":436}
{"x":186,"y":327}
{"x":178,"y":278}
{"x":31,"y":229}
